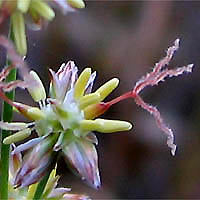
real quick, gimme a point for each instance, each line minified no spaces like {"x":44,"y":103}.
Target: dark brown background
{"x":124,"y":39}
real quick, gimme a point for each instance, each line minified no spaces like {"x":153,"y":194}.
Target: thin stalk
{"x":41,"y":186}
{"x":7,"y":117}
{"x":7,"y":114}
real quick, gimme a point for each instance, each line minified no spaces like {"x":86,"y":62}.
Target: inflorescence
{"x":65,"y":120}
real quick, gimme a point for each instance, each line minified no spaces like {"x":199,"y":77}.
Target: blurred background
{"x":125,"y":39}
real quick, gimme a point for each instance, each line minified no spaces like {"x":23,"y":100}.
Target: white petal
{"x":88,"y":88}
{"x":28,"y":145}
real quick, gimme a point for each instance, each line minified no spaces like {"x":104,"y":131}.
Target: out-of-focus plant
{"x":35,"y":13}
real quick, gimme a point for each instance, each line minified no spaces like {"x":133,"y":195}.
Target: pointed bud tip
{"x":35,"y":113}
{"x":87,"y":70}
{"x":37,"y":91}
{"x":173,"y":150}
{"x":177,"y":42}
{"x":43,"y":9}
{"x":81,"y":83}
{"x":190,"y":67}
{"x":107,"y":88}
{"x":116,"y":80}
{"x":18,"y":27}
{"x":23,"y":6}
{"x":16,"y":186}
{"x":129,"y":126}
{"x":97,"y":186}
{"x":88,"y":100}
{"x":76,"y":3}
{"x":109,"y":126}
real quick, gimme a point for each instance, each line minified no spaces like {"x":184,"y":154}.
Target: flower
{"x":64,"y":122}
{"x":37,"y":13}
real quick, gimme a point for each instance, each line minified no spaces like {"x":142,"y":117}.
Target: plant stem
{"x":41,"y":186}
{"x":7,"y":117}
{"x":7,"y":114}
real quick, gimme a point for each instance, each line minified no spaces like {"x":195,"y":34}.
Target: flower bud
{"x":105,"y":126}
{"x":89,"y":99}
{"x":20,"y":135}
{"x":42,"y":9}
{"x":76,"y":3}
{"x":82,"y":157}
{"x":107,"y":88}
{"x":33,"y":113}
{"x":18,"y":27}
{"x":13,"y":126}
{"x":81,"y":83}
{"x":37,"y":91}
{"x":23,"y":5}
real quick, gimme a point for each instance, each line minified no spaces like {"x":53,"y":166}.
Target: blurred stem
{"x":41,"y":186}
{"x":7,"y":113}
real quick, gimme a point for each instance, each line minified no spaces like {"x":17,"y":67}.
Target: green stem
{"x":7,"y":117}
{"x":41,"y":187}
{"x":7,"y":114}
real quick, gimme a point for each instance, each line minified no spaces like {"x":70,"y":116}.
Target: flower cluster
{"x":65,"y":121}
{"x":36,"y":12}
